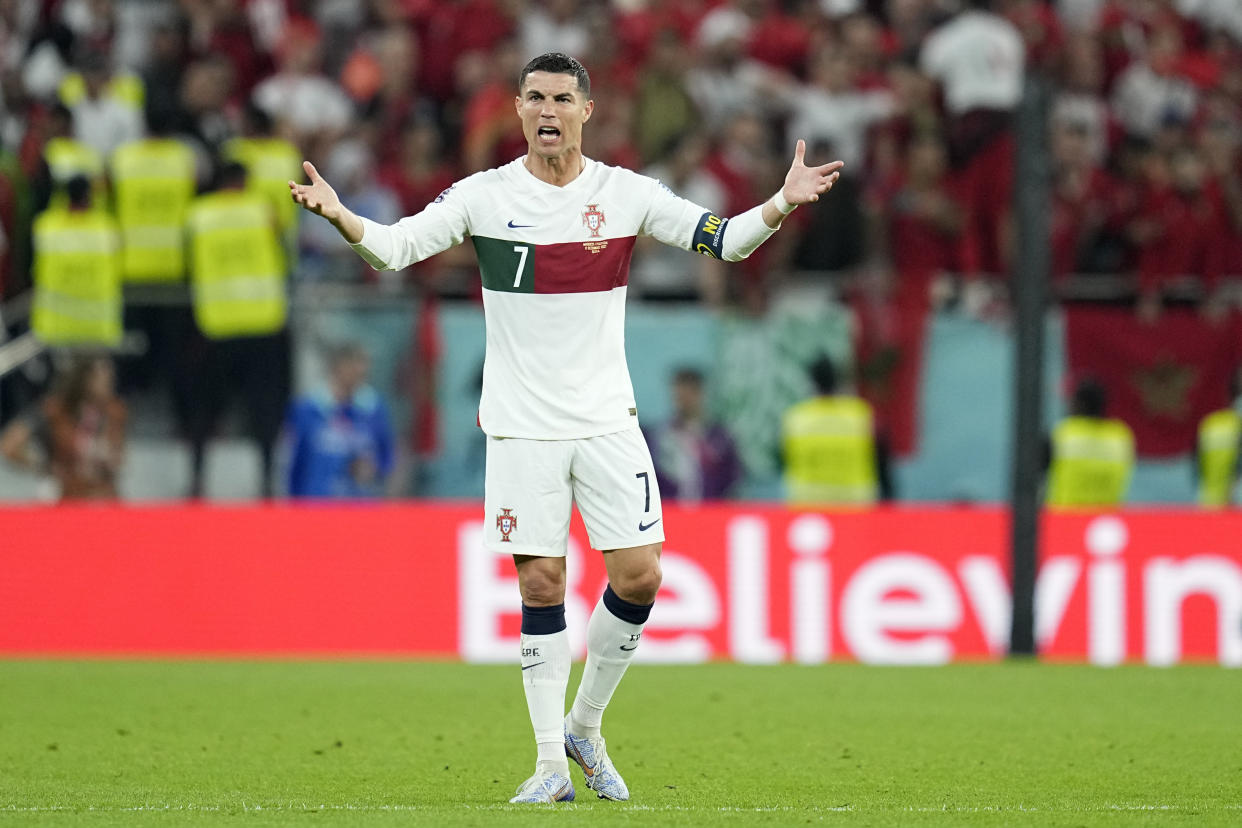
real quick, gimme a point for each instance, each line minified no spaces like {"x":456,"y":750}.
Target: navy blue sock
{"x":623,"y":609}
{"x":543,"y":620}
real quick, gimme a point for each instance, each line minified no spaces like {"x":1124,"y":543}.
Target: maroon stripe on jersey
{"x":583,"y":267}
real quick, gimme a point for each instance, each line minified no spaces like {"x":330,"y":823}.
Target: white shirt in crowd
{"x":841,"y":119}
{"x":979,"y":60}
{"x":1142,"y":99}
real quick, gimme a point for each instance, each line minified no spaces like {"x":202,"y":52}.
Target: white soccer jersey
{"x":555,"y":264}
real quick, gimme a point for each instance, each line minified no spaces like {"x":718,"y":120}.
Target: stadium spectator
{"x":244,"y":35}
{"x":77,"y":271}
{"x":550,"y":25}
{"x":1090,"y":456}
{"x":1081,"y":201}
{"x":165,"y":69}
{"x":833,"y":109}
{"x":270,"y":162}
{"x":310,"y":108}
{"x":832,"y":454}
{"x":86,"y":426}
{"x":695,"y":459}
{"x":1185,"y":232}
{"x":978,"y":58}
{"x":107,"y":105}
{"x":387,"y":91}
{"x":1151,"y":92}
{"x":153,"y":180}
{"x":1217,"y":453}
{"x":65,"y":157}
{"x":26,"y":444}
{"x":340,"y":438}
{"x":239,"y":346}
{"x":454,"y":30}
{"x":923,"y":221}
{"x":725,"y":82}
{"x":488,"y":136}
{"x":833,"y":239}
{"x":663,"y":108}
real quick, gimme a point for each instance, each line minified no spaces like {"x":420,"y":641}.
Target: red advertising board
{"x":746,"y":582}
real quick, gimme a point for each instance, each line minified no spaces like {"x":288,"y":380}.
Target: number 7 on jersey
{"x":521,"y":250}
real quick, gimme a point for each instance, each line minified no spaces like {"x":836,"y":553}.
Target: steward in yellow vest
{"x":153,"y":179}
{"x":236,"y":264}
{"x":831,"y":454}
{"x":271,"y":163}
{"x":77,"y":272}
{"x":1091,"y":456}
{"x":65,"y":157}
{"x":1216,"y":455}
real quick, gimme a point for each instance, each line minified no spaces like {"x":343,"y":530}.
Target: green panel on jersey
{"x":506,"y":265}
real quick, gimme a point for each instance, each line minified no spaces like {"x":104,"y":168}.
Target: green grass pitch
{"x":414,"y":743}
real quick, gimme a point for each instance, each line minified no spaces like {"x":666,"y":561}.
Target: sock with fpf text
{"x":545,"y":676}
{"x":613,"y":634}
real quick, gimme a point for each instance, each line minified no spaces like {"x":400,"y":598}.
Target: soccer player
{"x":554,"y":231}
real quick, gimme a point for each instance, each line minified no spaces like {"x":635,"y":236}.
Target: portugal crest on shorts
{"x":506,"y":523}
{"x":593,"y":218}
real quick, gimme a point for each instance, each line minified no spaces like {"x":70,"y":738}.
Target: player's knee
{"x":542,"y":588}
{"x":641,"y":585}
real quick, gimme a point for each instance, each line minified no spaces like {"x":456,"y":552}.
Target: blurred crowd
{"x":395,"y":99}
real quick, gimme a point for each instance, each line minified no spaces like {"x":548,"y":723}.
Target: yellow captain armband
{"x":709,"y":235}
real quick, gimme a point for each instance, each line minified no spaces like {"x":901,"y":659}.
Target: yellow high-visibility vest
{"x":77,"y":278}
{"x":154,"y":183}
{"x":1092,"y":461}
{"x":238,"y":276}
{"x":125,"y":87}
{"x":1220,"y":435}
{"x":270,"y":164}
{"x":829,"y":447}
{"x":69,"y":157}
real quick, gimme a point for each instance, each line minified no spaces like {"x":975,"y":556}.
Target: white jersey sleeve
{"x":682,"y":223}
{"x":440,"y":225}
{"x":670,"y":218}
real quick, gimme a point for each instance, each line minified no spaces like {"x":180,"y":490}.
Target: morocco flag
{"x":1162,"y":378}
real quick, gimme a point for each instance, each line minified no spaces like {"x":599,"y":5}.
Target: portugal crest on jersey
{"x":506,"y":523}
{"x":593,"y":218}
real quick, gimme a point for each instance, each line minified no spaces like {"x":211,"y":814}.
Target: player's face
{"x":553,"y":110}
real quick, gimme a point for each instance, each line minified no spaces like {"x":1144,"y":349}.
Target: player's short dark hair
{"x":823,"y":374}
{"x":558,"y":63}
{"x":1090,"y":398}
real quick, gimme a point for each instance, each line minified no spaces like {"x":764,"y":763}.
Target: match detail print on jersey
{"x":515,"y":266}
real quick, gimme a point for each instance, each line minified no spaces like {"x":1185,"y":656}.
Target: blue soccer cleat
{"x":592,"y":757}
{"x":545,"y":787}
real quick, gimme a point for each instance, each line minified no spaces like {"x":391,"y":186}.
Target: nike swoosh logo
{"x":513,"y":226}
{"x":536,"y":664}
{"x":643,"y":527}
{"x":627,"y":649}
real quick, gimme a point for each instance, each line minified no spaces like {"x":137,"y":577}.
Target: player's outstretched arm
{"x":319,"y":198}
{"x":803,"y":185}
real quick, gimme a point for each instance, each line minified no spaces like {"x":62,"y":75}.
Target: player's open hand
{"x":805,"y":184}
{"x":317,"y":196}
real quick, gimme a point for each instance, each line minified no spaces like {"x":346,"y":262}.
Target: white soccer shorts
{"x":531,"y":487}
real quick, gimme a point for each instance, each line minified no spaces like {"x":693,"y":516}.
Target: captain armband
{"x":709,"y":235}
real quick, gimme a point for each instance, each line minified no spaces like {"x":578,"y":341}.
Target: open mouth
{"x":549,"y":134}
